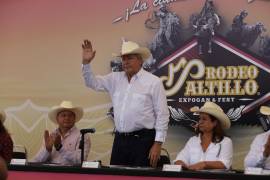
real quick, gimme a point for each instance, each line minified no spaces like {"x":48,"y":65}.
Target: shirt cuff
{"x":226,"y":163}
{"x":42,"y":156}
{"x":85,"y":67}
{"x":261,"y":161}
{"x":160,"y":136}
{"x":46,"y":153}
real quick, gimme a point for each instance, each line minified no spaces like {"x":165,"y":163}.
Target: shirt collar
{"x":138,"y":74}
{"x":200,"y":141}
{"x":69,"y":131}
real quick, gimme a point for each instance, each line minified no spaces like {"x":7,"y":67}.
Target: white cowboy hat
{"x":129,"y":47}
{"x":2,"y":116}
{"x":214,"y":110}
{"x":265,"y":110}
{"x":65,"y":106}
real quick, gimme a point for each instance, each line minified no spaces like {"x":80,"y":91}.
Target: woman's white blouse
{"x":193,"y":153}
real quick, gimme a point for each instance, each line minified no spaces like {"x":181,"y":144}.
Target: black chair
{"x":164,"y":158}
{"x":19,"y":152}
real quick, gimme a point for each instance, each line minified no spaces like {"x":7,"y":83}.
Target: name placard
{"x":91,"y":164}
{"x":18,"y":161}
{"x":170,"y":167}
{"x":253,"y":170}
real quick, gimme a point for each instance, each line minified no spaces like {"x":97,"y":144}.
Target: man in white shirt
{"x":62,"y":145}
{"x":259,"y":154}
{"x":140,"y":107}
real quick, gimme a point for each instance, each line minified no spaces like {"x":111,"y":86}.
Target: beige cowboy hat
{"x":265,"y":110}
{"x":65,"y":106}
{"x":129,"y":47}
{"x":2,"y":116}
{"x":214,"y":110}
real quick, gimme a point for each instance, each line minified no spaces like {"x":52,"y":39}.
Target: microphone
{"x":90,"y":130}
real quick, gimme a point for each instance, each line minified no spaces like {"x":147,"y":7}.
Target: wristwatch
{"x":58,"y":147}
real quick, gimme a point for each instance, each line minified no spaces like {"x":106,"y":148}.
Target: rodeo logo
{"x":228,"y":76}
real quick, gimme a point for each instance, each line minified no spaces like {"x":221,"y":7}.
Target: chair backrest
{"x":19,"y":152}
{"x":164,"y":158}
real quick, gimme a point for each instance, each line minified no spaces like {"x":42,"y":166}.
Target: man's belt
{"x":136,"y":133}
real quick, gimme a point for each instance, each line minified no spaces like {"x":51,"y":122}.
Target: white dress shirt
{"x":255,"y":156}
{"x":69,"y":154}
{"x":140,"y":103}
{"x":193,"y":153}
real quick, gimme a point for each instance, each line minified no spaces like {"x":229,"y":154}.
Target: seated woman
{"x":6,"y":143}
{"x":209,"y":149}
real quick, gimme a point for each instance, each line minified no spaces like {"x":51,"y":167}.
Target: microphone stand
{"x":81,"y":145}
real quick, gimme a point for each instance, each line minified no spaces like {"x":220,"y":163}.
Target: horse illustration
{"x":264,"y":46}
{"x":204,"y":24}
{"x":168,"y":36}
{"x":250,"y":33}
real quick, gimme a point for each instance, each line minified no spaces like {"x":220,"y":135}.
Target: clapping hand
{"x":57,"y":140}
{"x":51,"y":140}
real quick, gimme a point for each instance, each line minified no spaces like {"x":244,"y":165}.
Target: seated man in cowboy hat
{"x":62,"y":145}
{"x":259,"y":153}
{"x":141,"y":114}
{"x":210,"y":148}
